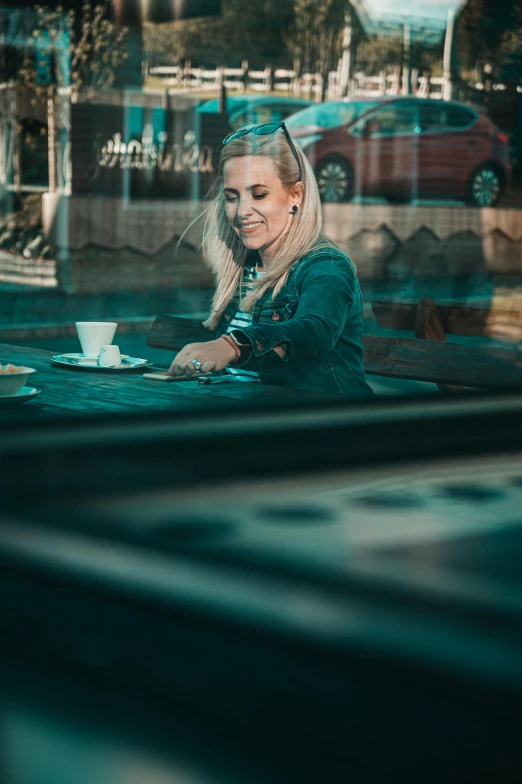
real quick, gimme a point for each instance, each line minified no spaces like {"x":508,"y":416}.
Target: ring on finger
{"x":197,"y":365}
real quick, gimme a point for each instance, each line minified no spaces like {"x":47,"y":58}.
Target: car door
{"x":387,"y":150}
{"x":450,"y":147}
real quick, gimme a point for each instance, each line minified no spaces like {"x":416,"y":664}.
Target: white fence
{"x":390,"y":84}
{"x":239,"y":79}
{"x":280,"y":80}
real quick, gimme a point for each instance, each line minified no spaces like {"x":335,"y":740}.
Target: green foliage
{"x":281,"y":33}
{"x":509,"y":64}
{"x":253,"y":31}
{"x":315,"y":37}
{"x":275,"y":32}
{"x":376,"y":53}
{"x":77,"y":49}
{"x":487,"y":32}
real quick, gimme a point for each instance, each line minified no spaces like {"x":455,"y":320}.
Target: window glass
{"x":265,"y":113}
{"x":394,"y":119}
{"x":196,"y":309}
{"x":440,"y":117}
{"x":458,"y":117}
{"x":330,"y":114}
{"x":120,"y":203}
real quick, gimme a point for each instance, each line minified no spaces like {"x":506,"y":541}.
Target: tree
{"x":253,"y":31}
{"x":71,"y":52}
{"x":482,"y":27}
{"x":378,"y":52}
{"x":490,"y":48}
{"x":81,"y":50}
{"x":315,"y":37}
{"x":509,"y":63}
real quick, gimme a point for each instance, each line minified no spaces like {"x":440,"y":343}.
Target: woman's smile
{"x":248,"y":228}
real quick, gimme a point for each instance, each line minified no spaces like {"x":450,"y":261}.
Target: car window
{"x":331,"y":114}
{"x":441,"y":117}
{"x":394,"y":119}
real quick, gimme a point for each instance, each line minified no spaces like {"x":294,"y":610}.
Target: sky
{"x":434,"y":9}
{"x":426,"y":18}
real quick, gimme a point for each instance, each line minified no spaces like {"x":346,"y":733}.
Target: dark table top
{"x":76,"y":391}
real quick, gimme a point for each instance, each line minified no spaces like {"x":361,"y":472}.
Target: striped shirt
{"x":240,"y":321}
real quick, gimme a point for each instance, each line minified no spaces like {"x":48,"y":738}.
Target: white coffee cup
{"x":109,"y":356}
{"x":95,"y":334}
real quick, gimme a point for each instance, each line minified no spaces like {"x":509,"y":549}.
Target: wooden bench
{"x":499,"y":318}
{"x":433,"y":361}
{"x":444,"y":364}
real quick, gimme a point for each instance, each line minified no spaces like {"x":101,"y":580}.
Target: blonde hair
{"x":224,"y":252}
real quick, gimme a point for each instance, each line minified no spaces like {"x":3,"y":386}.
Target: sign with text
{"x":139,"y":152}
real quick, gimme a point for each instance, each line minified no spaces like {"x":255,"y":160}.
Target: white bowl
{"x":12,"y":383}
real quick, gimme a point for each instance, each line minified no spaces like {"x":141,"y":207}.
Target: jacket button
{"x":226,"y":317}
{"x":259,"y":346}
{"x":275,"y":316}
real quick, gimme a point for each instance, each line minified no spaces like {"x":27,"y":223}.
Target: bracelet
{"x":236,"y":341}
{"x":231,"y":342}
{"x":244,"y":348}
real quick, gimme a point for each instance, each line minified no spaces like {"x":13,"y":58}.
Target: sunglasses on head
{"x":266,"y":130}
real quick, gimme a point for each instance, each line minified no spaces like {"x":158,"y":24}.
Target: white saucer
{"x":22,"y":396}
{"x":82,"y":360}
{"x":88,"y":363}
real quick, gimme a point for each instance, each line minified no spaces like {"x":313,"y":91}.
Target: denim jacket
{"x":317,"y":316}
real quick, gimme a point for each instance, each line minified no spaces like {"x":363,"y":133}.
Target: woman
{"x":287,"y":308}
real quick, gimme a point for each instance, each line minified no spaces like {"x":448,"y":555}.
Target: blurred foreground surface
{"x":356,"y":619}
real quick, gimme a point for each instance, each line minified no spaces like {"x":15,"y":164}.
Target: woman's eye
{"x":230,"y":199}
{"x":260,"y":195}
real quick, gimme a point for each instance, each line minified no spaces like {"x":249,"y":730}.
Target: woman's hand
{"x":213,"y":356}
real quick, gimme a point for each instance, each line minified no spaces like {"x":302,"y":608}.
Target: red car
{"x":403,"y":148}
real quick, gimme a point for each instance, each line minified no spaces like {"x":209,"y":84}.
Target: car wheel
{"x":334,"y":179}
{"x":485,"y":186}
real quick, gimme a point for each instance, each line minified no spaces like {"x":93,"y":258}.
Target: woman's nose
{"x":244,"y":208}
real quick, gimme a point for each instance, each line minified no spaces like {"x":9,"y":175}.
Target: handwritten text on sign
{"x":144,"y":151}
{"x":147,"y":154}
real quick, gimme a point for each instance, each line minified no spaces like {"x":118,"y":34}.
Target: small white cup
{"x":109,"y":356}
{"x":95,"y":334}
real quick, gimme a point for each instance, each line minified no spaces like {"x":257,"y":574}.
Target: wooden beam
{"x":428,"y":326}
{"x":493,"y":319}
{"x":442,"y":363}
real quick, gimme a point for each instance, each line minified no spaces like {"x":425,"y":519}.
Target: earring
{"x":294,"y":209}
